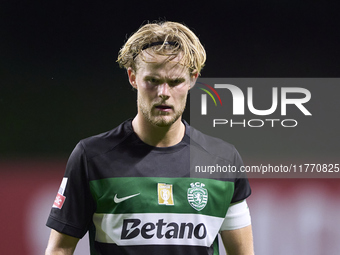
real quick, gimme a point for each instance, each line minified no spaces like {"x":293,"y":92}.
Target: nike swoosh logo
{"x":119,"y":200}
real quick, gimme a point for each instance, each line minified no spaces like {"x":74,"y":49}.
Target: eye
{"x":152,"y":80}
{"x":176,"y":82}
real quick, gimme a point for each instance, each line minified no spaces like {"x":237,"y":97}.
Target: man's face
{"x":162,"y":87}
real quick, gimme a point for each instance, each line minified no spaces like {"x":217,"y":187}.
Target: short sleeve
{"x":74,"y":206}
{"x":242,"y":188}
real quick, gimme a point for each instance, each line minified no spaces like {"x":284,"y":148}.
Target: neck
{"x":158,"y":136}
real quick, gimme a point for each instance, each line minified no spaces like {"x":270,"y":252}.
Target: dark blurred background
{"x":59,"y":83}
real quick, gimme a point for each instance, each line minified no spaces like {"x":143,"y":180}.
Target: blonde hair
{"x":165,"y":38}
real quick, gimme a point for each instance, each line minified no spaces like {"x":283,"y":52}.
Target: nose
{"x":164,"y":90}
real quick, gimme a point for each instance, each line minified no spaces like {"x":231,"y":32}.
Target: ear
{"x":132,"y":77}
{"x":193,"y":78}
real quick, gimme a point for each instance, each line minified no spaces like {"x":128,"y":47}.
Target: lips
{"x":163,"y":107}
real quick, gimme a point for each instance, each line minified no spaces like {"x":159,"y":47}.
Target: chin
{"x":163,"y":121}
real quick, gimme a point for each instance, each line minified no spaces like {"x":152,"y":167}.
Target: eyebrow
{"x":157,"y":76}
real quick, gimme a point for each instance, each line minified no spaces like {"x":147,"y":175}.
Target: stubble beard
{"x":158,"y":118}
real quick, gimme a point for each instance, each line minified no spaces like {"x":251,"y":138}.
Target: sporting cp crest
{"x":197,"y":196}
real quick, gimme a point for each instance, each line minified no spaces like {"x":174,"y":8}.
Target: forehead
{"x":161,"y":64}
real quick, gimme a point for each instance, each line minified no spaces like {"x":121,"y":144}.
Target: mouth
{"x":163,"y":107}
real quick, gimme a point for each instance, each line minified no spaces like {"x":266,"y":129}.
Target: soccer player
{"x":131,"y":187}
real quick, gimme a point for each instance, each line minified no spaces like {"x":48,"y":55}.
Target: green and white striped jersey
{"x":138,"y":199}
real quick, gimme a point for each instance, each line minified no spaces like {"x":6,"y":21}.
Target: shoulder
{"x":106,"y":141}
{"x":212,"y":145}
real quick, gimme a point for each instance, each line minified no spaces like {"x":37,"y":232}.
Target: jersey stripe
{"x":156,"y":229}
{"x":219,"y":195}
